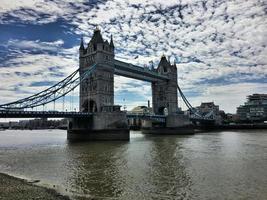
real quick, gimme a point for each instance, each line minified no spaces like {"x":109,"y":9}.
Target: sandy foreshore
{"x":12,"y":188}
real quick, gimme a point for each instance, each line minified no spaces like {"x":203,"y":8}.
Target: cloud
{"x":218,"y":45}
{"x":34,"y":45}
{"x":36,"y":11}
{"x":26,"y":72}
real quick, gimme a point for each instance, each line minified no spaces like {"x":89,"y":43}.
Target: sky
{"x":220,"y":46}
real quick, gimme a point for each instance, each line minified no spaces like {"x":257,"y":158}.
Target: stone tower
{"x":97,"y":91}
{"x":164,"y":93}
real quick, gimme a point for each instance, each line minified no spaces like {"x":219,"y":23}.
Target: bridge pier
{"x":175,"y":124}
{"x":101,"y":126}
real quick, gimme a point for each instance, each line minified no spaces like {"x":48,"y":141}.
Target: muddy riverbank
{"x":12,"y":188}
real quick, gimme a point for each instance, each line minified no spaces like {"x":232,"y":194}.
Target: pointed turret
{"x":82,"y":49}
{"x":111,"y":44}
{"x":97,"y":37}
{"x":106,"y":42}
{"x":163,"y":61}
{"x":81,"y":45}
{"x":164,"y":65}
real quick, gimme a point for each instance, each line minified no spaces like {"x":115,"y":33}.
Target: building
{"x":141,"y":110}
{"x":136,"y":123}
{"x":209,"y":109}
{"x":231,"y":118}
{"x":254,"y":110}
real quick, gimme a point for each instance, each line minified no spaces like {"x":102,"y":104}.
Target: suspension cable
{"x":63,"y":102}
{"x":187,"y":103}
{"x":42,"y":93}
{"x":57,"y":91}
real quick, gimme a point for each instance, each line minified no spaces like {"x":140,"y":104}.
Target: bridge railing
{"x":160,"y":118}
{"x":41,"y":114}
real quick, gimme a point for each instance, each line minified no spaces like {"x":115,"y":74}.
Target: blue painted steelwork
{"x":194,"y":113}
{"x":15,"y":109}
{"x":65,"y":86}
{"x":51,"y":94}
{"x":137,"y":72}
{"x":56,"y":114}
{"x":42,"y":114}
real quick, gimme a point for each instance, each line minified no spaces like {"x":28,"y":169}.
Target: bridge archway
{"x":92,"y":106}
{"x":89,"y":106}
{"x":163,"y":111}
{"x":84,"y":107}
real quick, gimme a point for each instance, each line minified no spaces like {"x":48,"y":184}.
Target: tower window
{"x":165,"y":69}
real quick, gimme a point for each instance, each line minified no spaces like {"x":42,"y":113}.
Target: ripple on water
{"x":221,"y":165}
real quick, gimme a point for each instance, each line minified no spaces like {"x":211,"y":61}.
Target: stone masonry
{"x":97,"y":90}
{"x":164,"y":93}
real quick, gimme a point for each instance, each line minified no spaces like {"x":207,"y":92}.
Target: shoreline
{"x":13,"y":188}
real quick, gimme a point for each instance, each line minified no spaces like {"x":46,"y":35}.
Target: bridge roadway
{"x":42,"y":114}
{"x":137,"y":72}
{"x":56,"y":114}
{"x":159,"y":118}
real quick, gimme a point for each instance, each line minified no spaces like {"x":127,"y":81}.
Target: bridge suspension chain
{"x":189,"y":106}
{"x":194,"y":112}
{"x":187,"y":103}
{"x":53,"y":93}
{"x":45,"y":92}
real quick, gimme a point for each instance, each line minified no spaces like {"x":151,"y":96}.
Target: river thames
{"x":214,"y":165}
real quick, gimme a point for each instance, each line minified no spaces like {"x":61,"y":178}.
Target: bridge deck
{"x":160,"y":118}
{"x":137,"y":72}
{"x":42,"y":114}
{"x":55,"y":114}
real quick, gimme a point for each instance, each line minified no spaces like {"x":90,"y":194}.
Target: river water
{"x":214,"y":165}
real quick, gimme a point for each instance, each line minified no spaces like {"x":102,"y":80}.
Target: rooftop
{"x":257,"y":97}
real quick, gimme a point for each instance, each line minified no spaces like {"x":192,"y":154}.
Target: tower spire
{"x":81,"y":45}
{"x":96,"y":28}
{"x":111,"y":42}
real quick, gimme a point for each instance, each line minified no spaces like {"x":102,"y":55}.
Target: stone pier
{"x":101,"y":126}
{"x":176,"y":124}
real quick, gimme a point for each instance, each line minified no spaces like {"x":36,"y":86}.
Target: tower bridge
{"x":97,"y":92}
{"x":98,"y":118}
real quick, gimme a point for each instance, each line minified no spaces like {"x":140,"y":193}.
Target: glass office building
{"x":254,"y":110}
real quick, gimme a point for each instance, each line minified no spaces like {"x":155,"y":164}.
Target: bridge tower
{"x":164,"y":93}
{"x":97,"y":92}
{"x":97,"y":95}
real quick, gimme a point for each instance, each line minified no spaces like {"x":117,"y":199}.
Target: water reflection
{"x":167,"y":172}
{"x":142,"y":169}
{"x":226,"y":165}
{"x":94,"y":168}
